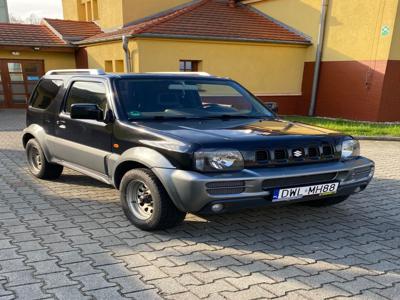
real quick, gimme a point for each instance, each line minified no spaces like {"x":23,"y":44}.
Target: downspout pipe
{"x":320,"y":48}
{"x":125,"y":45}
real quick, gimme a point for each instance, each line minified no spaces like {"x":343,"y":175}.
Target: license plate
{"x":301,"y":192}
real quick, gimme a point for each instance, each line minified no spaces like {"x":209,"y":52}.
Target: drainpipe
{"x":125,"y":45}
{"x":320,"y":48}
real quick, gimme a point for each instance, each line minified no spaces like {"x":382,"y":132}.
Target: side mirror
{"x":87,"y":112}
{"x":272,"y":106}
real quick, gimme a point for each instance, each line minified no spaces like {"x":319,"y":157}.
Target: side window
{"x":45,"y":93}
{"x":87,"y":92}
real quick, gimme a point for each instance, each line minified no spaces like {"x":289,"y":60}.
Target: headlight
{"x":350,"y":149}
{"x":218,"y":160}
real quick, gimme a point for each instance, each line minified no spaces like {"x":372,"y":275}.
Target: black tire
{"x":161,"y":212}
{"x":326,"y":201}
{"x":40,"y":167}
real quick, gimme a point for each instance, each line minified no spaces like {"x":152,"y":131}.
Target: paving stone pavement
{"x":69,"y":239}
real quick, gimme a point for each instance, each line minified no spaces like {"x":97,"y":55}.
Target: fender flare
{"x":147,"y":157}
{"x":38,"y":133}
{"x":150,"y":158}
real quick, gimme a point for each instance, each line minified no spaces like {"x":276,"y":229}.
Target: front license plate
{"x":301,"y":192}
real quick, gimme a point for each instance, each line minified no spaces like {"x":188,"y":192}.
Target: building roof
{"x":29,"y":35}
{"x":209,"y":19}
{"x":73,"y":30}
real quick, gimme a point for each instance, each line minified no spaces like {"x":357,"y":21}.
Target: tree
{"x":32,"y":19}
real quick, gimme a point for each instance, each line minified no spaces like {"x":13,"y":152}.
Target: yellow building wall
{"x":98,"y":54}
{"x":138,"y":9}
{"x":353,"y":27}
{"x":110,"y":14}
{"x":395,"y":48}
{"x":71,"y":10}
{"x":264,"y":69}
{"x":102,"y":56}
{"x":354,"y":30}
{"x":303,"y":15}
{"x":115,"y":13}
{"x":52,"y":60}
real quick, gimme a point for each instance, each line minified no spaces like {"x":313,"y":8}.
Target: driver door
{"x":84,"y":143}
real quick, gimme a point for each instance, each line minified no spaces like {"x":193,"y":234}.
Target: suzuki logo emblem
{"x":298,"y":153}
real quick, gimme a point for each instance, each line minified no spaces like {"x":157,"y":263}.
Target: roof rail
{"x":76,"y":72}
{"x":182,"y":73}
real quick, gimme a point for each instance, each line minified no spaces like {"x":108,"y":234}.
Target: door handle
{"x":61,"y":124}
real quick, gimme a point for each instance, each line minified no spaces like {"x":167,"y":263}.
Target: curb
{"x":378,"y":138}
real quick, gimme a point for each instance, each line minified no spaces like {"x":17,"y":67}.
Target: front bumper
{"x":191,"y":191}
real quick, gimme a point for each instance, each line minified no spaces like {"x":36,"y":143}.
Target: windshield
{"x":176,"y":98}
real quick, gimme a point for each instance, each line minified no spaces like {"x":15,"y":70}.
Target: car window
{"x":149,"y":98}
{"x":224,"y":96}
{"x":87,"y":92}
{"x":45,"y":93}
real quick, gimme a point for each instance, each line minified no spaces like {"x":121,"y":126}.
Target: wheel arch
{"x":36,"y":132}
{"x":137,"y":157}
{"x":123,"y":168}
{"x":26,"y":137}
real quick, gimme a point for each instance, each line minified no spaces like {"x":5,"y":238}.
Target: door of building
{"x":17,"y":80}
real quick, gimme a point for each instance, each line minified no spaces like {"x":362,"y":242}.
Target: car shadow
{"x":356,"y":237}
{"x":81,"y":180}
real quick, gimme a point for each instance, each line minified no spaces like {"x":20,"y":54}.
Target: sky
{"x":41,"y":8}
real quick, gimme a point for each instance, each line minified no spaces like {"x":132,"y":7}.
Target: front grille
{"x":291,"y":155}
{"x":313,"y":152}
{"x":262,"y":156}
{"x":226,"y":187}
{"x":327,"y":150}
{"x":280,"y":154}
{"x":298,"y":181}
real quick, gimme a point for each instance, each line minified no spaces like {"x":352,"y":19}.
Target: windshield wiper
{"x":228,"y":117}
{"x":161,"y":118}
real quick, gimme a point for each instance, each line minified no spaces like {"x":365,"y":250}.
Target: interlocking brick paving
{"x":68,"y":239}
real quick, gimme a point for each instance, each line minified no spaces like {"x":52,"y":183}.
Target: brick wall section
{"x":390,"y":103}
{"x":357,"y":90}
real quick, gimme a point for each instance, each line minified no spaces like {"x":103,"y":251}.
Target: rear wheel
{"x":146,"y":202}
{"x":38,"y":164}
{"x":327,"y":201}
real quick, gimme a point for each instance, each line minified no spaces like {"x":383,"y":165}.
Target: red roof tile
{"x":210,"y":19}
{"x":74,"y":30}
{"x":28,"y":35}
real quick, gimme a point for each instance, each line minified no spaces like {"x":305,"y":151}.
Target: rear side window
{"x":45,"y":93}
{"x":87,"y":92}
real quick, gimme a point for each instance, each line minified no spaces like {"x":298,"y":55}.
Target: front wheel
{"x":146,"y":203}
{"x":327,"y":201}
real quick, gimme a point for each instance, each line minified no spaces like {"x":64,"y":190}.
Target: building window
{"x":189,"y":65}
{"x":108,"y":66}
{"x":89,"y":10}
{"x":95,"y":8}
{"x":119,"y":66}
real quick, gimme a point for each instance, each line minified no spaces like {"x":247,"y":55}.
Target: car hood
{"x":242,"y":132}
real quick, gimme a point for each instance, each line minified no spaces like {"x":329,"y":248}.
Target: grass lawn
{"x":350,"y":127}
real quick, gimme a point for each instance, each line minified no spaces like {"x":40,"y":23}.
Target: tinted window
{"x":87,"y":92}
{"x":149,"y":98}
{"x":45,"y":93}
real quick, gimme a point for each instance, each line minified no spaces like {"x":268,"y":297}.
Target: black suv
{"x":176,"y":143}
